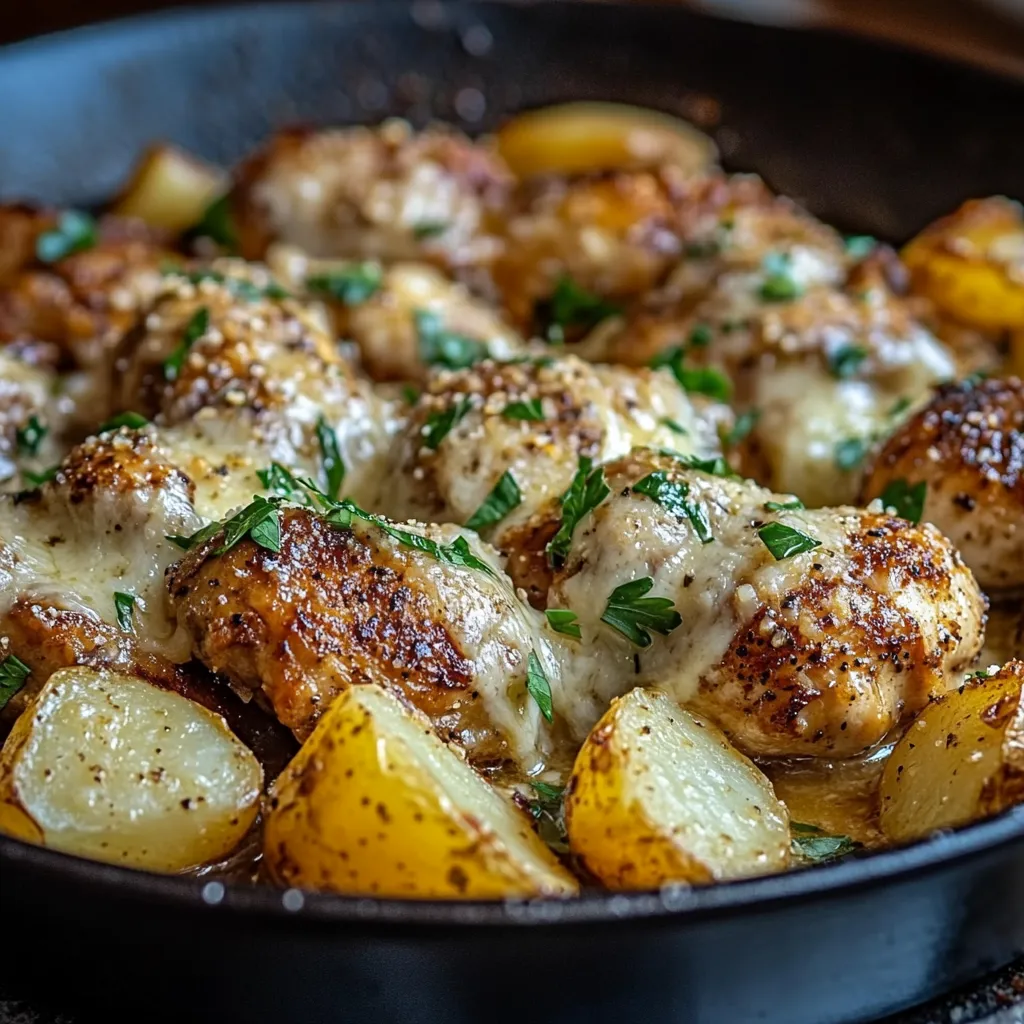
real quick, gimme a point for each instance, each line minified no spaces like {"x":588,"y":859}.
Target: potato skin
{"x":961,"y":760}
{"x":375,"y":804}
{"x":639,"y":817}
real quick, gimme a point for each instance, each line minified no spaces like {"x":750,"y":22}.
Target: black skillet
{"x":873,"y":138}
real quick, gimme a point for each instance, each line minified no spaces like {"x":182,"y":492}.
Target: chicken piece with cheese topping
{"x":488,"y":446}
{"x":225,"y":342}
{"x":959,"y":464}
{"x":385,"y":192}
{"x":403,"y":318}
{"x":799,"y":632}
{"x":351,"y":599}
{"x":33,"y":415}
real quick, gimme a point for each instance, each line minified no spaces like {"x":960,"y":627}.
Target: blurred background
{"x":989,"y":32}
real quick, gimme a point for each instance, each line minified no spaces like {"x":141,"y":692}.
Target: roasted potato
{"x":112,"y":768}
{"x":170,"y":189}
{"x":962,"y":759}
{"x":375,"y":804}
{"x":658,"y":795}
{"x":573,"y":138}
{"x":971,"y":264}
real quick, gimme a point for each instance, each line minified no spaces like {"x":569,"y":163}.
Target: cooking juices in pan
{"x":407,"y":515}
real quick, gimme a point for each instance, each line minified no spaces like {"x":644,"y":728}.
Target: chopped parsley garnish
{"x":429,"y":229}
{"x":441,"y":347}
{"x":217,"y":223}
{"x":779,"y":285}
{"x":240,"y":287}
{"x":331,"y":461}
{"x":673,"y":497}
{"x":817,"y":845}
{"x":570,"y":306}
{"x":439,"y":424}
{"x":13,"y":673}
{"x":587,"y":490}
{"x":676,"y":428}
{"x":204,"y":533}
{"x":548,"y":811}
{"x":124,"y":606}
{"x":43,"y":477}
{"x":349,"y":285}
{"x":196,"y":327}
{"x":410,"y":394}
{"x":906,"y":499}
{"x":899,"y":407}
{"x":633,"y":615}
{"x":281,"y":482}
{"x":504,"y":497}
{"x":30,"y":436}
{"x":701,"y":380}
{"x":538,"y":687}
{"x":785,"y":542}
{"x":859,"y":246}
{"x":75,"y":232}
{"x":844,"y":361}
{"x":783,"y":506}
{"x":849,"y":453}
{"x":131,"y":420}
{"x":715,"y":466}
{"x":530,"y":410}
{"x":701,"y":336}
{"x":745,"y":423}
{"x":260,"y":520}
{"x":561,"y":620}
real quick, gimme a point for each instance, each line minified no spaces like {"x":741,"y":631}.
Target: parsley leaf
{"x":817,"y":845}
{"x":43,"y":477}
{"x":124,"y":605}
{"x":780,"y":506}
{"x":429,"y":229}
{"x":30,"y":436}
{"x":859,"y":246}
{"x":196,"y":327}
{"x":701,"y":336}
{"x":779,"y":284}
{"x":745,"y":423}
{"x":441,"y":347}
{"x":240,"y":287}
{"x":131,"y":420}
{"x":843,"y":362}
{"x":587,"y":490}
{"x":410,"y":394}
{"x":281,"y":482}
{"x":504,"y":497}
{"x":849,"y":453}
{"x":548,"y":811}
{"x":899,"y":407}
{"x":907,"y":499}
{"x":703,"y":380}
{"x":530,"y":410}
{"x":784,"y":542}
{"x":439,"y":424}
{"x":676,"y":428}
{"x":218,"y":223}
{"x":330,"y":457}
{"x":260,"y":520}
{"x":672,"y":496}
{"x":538,"y":687}
{"x":351,"y":285}
{"x":633,"y":615}
{"x":715,"y":466}
{"x":75,"y":231}
{"x":13,"y":673}
{"x":569,"y":306}
{"x":204,"y":533}
{"x":561,"y":620}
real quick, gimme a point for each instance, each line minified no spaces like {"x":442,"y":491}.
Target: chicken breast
{"x":371,"y":193}
{"x":423,"y":611}
{"x":965,"y":451}
{"x":798,"y":632}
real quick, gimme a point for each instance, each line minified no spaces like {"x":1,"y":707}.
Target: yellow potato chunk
{"x":170,"y":189}
{"x":112,"y":768}
{"x":962,"y":759}
{"x":971,"y":264}
{"x":574,"y":138}
{"x":658,"y":795}
{"x":375,"y":804}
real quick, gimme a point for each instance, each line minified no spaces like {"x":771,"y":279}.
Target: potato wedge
{"x":573,"y":138}
{"x":112,"y":768}
{"x":962,"y":759}
{"x":658,"y":795}
{"x":375,"y":804}
{"x":971,"y":264}
{"x":170,"y":189}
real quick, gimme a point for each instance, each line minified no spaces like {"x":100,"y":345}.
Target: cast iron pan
{"x":872,"y":138}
